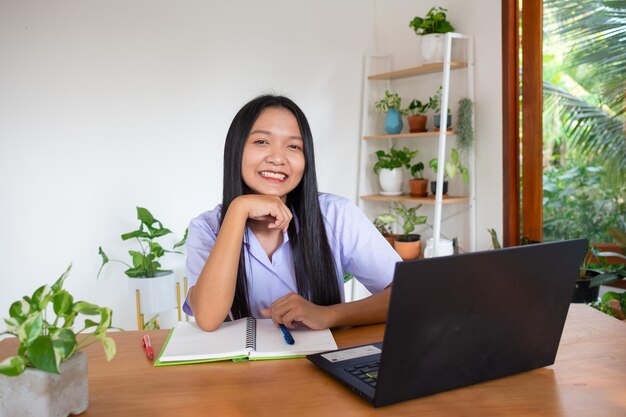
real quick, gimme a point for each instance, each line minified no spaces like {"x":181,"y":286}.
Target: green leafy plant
{"x":434,"y":22}
{"x":453,"y":167}
{"x":464,"y":129}
{"x":46,"y":334}
{"x":383,"y":223}
{"x":417,"y":171}
{"x":389,"y":101}
{"x":434,"y":101}
{"x":145,"y":262}
{"x":394,"y":159}
{"x":409,"y":216}
{"x":417,"y":108}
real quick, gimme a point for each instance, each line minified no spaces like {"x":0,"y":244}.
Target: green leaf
{"x":64,"y":343}
{"x":138,"y":258}
{"x":109,"y":347}
{"x":41,"y":297}
{"x":59,"y":282}
{"x":43,"y":356}
{"x":160,"y":232}
{"x":145,"y":216}
{"x":136,"y":272}
{"x":105,"y":260}
{"x":19,"y":310}
{"x":156,"y":249}
{"x":62,"y":303}
{"x":86,"y":308}
{"x":12,"y":366}
{"x":183,"y":240}
{"x":106,"y":315}
{"x":136,"y":233}
{"x":30,"y":329}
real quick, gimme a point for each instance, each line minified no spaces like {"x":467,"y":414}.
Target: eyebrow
{"x":267,"y":132}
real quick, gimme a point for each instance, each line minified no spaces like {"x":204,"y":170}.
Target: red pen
{"x":145,"y":341}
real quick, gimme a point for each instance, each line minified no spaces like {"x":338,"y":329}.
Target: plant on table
{"x":146,"y":261}
{"x":43,"y":324}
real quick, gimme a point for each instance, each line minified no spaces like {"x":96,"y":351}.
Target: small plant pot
{"x":433,"y":188}
{"x":390,"y":181}
{"x":417,"y":123}
{"x":389,"y":239}
{"x":437,"y":121}
{"x":419,"y":188}
{"x":393,"y":122}
{"x":582,"y":292}
{"x":433,"y":47}
{"x":409,"y":248}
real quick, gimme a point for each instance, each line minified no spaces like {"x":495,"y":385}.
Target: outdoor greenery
{"x":146,"y":262}
{"x":584,"y":127}
{"x":43,"y":324}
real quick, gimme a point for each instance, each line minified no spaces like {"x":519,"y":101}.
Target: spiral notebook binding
{"x":250,"y":333}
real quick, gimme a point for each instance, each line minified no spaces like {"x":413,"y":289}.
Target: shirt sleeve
{"x":200,"y":241}
{"x":364,"y":252}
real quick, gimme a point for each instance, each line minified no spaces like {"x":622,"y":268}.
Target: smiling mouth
{"x":273,"y":175}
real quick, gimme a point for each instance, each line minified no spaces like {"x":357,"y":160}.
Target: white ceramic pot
{"x":433,"y":47}
{"x":445,"y":248}
{"x":390,"y":181}
{"x":39,"y":393}
{"x":156,"y":294}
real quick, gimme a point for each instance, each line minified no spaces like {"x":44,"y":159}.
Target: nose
{"x":276,"y":156}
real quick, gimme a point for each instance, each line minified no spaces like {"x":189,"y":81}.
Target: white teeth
{"x":276,"y":175}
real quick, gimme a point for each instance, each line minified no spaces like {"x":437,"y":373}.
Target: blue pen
{"x":287,"y":335}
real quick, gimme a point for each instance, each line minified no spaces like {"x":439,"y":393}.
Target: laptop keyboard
{"x":367,"y":372}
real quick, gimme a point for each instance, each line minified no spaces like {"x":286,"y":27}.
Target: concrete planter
{"x":39,"y":393}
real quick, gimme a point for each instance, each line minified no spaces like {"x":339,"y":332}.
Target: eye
{"x":260,"y":142}
{"x":295,"y":147}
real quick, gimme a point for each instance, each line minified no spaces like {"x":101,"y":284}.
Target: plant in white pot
{"x":408,"y":245}
{"x":432,"y":28}
{"x":48,"y":376}
{"x":389,"y":169}
{"x":157,"y":286}
{"x":391,"y":105}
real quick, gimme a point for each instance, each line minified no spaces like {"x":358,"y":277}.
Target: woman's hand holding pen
{"x":293,"y":309}
{"x":266,"y":208}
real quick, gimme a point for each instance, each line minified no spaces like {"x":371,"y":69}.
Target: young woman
{"x":276,"y":247}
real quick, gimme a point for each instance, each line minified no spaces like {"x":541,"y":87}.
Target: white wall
{"x":109,"y":105}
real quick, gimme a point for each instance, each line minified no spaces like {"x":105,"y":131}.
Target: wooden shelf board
{"x":408,"y":135}
{"x":417,"y":200}
{"x":430,"y":68}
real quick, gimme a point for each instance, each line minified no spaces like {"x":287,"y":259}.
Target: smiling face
{"x":273,"y":155}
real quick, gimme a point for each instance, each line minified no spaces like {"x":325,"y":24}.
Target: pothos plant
{"x":146,"y":261}
{"x":394,"y":159}
{"x":43,"y":324}
{"x":435,"y":21}
{"x":389,"y":101}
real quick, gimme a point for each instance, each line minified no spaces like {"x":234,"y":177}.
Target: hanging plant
{"x":464,"y":130}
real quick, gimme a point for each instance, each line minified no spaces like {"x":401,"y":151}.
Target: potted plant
{"x":417,"y":116}
{"x":49,"y":369}
{"x":389,"y":169}
{"x":156,"y":286}
{"x":391,"y":104}
{"x":408,"y":245}
{"x":418,"y":185}
{"x":464,"y":128}
{"x":453,"y":167}
{"x":432,"y":28}
{"x":434,"y":103}
{"x":383,"y":223}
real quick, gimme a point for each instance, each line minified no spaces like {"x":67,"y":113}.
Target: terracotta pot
{"x":419,"y":188}
{"x":389,"y":239}
{"x":408,"y":250}
{"x":417,"y":123}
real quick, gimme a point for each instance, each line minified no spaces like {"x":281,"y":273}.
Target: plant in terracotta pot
{"x":156,"y":286}
{"x":408,"y":245}
{"x":434,"y":103}
{"x":48,"y":375}
{"x":417,"y":116}
{"x":453,"y":167}
{"x":418,"y":184}
{"x":391,"y":104}
{"x":389,"y":167}
{"x":383,"y":223}
{"x":432,"y":28}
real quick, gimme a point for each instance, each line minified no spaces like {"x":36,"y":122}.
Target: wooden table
{"x":588,"y":379}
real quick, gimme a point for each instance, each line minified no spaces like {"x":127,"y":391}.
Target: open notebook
{"x":247,"y":338}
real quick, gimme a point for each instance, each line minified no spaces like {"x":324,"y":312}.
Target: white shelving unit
{"x":380,"y":76}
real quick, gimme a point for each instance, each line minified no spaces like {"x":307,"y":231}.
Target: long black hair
{"x":316,"y":275}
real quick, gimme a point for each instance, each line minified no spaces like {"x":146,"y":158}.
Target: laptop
{"x":459,"y":320}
